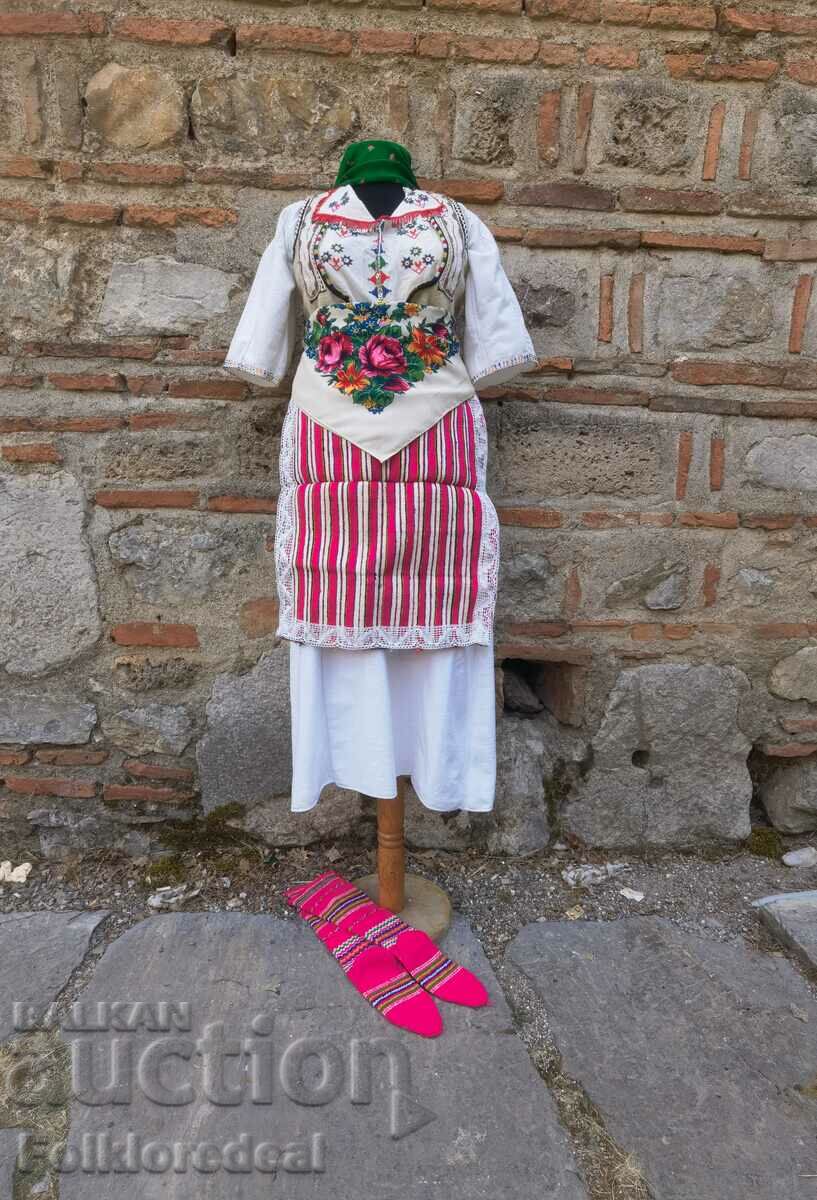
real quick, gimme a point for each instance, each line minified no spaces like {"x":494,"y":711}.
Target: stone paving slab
{"x":792,"y":917}
{"x":694,"y":1051}
{"x":347,"y":1106}
{"x":39,"y":950}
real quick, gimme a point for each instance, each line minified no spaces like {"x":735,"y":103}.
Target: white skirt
{"x":360,"y":718}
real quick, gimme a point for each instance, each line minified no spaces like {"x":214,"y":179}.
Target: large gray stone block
{"x":31,"y":720}
{"x":789,"y":794}
{"x":699,"y":1055}
{"x":160,"y":295}
{"x":668,"y":763}
{"x":49,"y":605}
{"x":463,"y":1116}
{"x":246,"y":754}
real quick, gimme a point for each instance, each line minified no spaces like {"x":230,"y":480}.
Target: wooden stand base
{"x":418,"y":901}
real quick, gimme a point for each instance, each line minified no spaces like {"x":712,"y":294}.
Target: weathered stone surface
{"x":681,"y":1043}
{"x":527,"y":581}
{"x":246,"y":754}
{"x":31,"y":719}
{"x":37,"y":284}
{"x":646,"y":584}
{"x":668,"y":763}
{"x":546,"y":451}
{"x":794,"y":139}
{"x":484,"y":120}
{"x":468,"y":1106}
{"x":69,"y":829}
{"x":182,"y":560}
{"x":135,"y":108}
{"x":704,"y":312}
{"x":49,"y":612}
{"x":139,"y":673}
{"x":151,"y":729}
{"x":795,"y":677}
{"x":789,"y":463}
{"x":160,"y":295}
{"x":336,"y":815}
{"x":789,"y":794}
{"x":648,"y":126}
{"x":39,"y":950}
{"x":277,"y":113}
{"x":792,"y":917}
{"x":669,"y":593}
{"x":549,"y":306}
{"x":9,"y":1141}
{"x":165,"y":456}
{"x":754,"y":585}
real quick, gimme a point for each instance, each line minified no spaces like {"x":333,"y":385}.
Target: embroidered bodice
{"x":380,"y":359}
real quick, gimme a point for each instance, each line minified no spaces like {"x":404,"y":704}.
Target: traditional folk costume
{"x":386,"y":541}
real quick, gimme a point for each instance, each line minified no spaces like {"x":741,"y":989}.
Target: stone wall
{"x":650,"y":172}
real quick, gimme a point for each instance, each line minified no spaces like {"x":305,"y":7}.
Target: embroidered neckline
{"x":342,"y":205}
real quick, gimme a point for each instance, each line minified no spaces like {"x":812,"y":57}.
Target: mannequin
{"x":381,"y":199}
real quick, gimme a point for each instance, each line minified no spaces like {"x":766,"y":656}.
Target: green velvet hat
{"x":375,"y":160}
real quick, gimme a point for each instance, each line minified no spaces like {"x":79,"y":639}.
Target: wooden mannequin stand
{"x":418,"y":901}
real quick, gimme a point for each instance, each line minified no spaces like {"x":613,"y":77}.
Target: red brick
{"x":583,"y":11}
{"x":259,"y":617}
{"x":241,"y":504}
{"x":606,"y":625}
{"x":714,"y":134}
{"x":786,"y":410}
{"x":19,"y":381}
{"x":565,"y":195}
{"x":470,"y":191}
{"x":530,"y":652}
{"x":635,"y":313}
{"x":51,"y":24}
{"x":652,"y":199}
{"x":710,"y":374}
{"x":789,"y":749}
{"x":621,"y":12}
{"x":803,"y":70}
{"x":145,"y":385}
{"x":557,"y":54}
{"x":783,"y":629}
{"x":768,"y":521}
{"x":680,"y":16}
{"x":84,"y":214}
{"x":799,"y":312}
{"x":147,"y":498}
{"x":588,"y":395}
{"x":709,"y":520}
{"x":584,"y":117}
{"x":606,"y":297}
{"x":573,"y":592}
{"x":78,"y":757}
{"x":717,"y":457}
{"x":548,"y":629}
{"x":139,"y":173}
{"x":72,"y":349}
{"x":14,"y":758}
{"x":799,"y":724}
{"x":549,"y":136}
{"x":60,"y":424}
{"x":712,"y":577}
{"x":144,"y":770}
{"x":698,"y":66}
{"x":169,"y":420}
{"x":383,"y":41}
{"x":609,"y":520}
{"x":173,"y":33}
{"x":433,"y":45}
{"x":149,"y":216}
{"x":69,"y":172}
{"x":684,"y":460}
{"x":663,"y":239}
{"x":495,"y":49}
{"x":18,"y":210}
{"x":617,"y":58}
{"x":86,"y":383}
{"x":494,"y":6}
{"x":34,"y":785}
{"x":113,"y":792}
{"x":208,"y":389}
{"x":23,"y":168}
{"x":196,"y":357}
{"x":36,"y":452}
{"x":644,"y":631}
{"x":574,"y":236}
{"x":295,"y":37}
{"x":531,"y":518}
{"x":155,"y":633}
{"x":678,"y":632}
{"x":794,"y":250}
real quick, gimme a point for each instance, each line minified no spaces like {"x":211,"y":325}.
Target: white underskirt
{"x":360,"y":718}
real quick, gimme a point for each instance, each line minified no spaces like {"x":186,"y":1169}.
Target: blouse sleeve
{"x":496,"y":342}
{"x":262,"y":343}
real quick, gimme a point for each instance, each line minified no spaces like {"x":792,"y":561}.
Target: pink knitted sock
{"x":380,"y":979}
{"x":335,"y":899}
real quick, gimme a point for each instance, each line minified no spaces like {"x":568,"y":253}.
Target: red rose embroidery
{"x":332,"y":349}
{"x":382,"y":355}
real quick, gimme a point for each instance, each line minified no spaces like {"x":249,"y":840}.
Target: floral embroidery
{"x":372,"y":352}
{"x":335,"y":257}
{"x":416,"y":260}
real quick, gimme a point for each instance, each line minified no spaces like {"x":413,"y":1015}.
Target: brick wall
{"x":650,"y":171}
